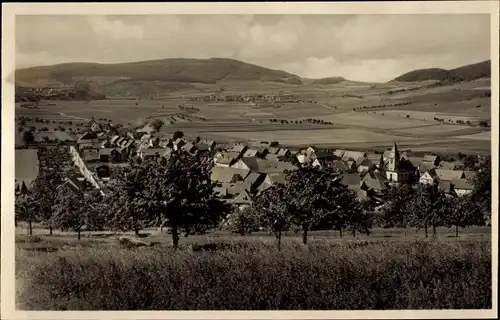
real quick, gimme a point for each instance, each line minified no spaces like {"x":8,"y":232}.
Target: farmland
{"x":411,"y":123}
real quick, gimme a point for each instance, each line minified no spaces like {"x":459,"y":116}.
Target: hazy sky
{"x":357,"y":47}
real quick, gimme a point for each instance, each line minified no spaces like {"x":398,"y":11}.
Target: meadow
{"x":390,"y":269}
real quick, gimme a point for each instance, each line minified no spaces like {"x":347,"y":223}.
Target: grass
{"x":251,"y":274}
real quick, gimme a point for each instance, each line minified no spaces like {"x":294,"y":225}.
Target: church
{"x":395,"y":168}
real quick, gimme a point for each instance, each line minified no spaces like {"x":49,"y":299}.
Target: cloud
{"x":358,"y":47}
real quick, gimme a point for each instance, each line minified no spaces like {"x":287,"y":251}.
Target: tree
{"x":360,"y":219}
{"x":156,"y":124}
{"x":317,"y":195}
{"x":481,"y":192}
{"x":395,"y":208}
{"x":244,"y":221}
{"x":28,"y":138}
{"x":178,"y":135}
{"x":426,"y":208}
{"x":463,"y":212}
{"x":48,"y":179}
{"x":26,"y":209}
{"x":273,"y":209}
{"x":76,"y":211}
{"x":177,"y":192}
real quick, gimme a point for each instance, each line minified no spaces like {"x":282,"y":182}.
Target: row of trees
{"x":178,"y":193}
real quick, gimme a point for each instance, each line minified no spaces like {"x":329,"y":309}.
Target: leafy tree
{"x":395,"y":209}
{"x":273,"y":209}
{"x":463,"y":212}
{"x":75,"y":211}
{"x":244,"y":221}
{"x":48,"y":179}
{"x":156,"y":124}
{"x":316,"y":195}
{"x":177,"y":193}
{"x":360,"y":219}
{"x":426,"y":208}
{"x":28,"y":138}
{"x":26,"y":209}
{"x":482,"y":187}
{"x":178,"y":135}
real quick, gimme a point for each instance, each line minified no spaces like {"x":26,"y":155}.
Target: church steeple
{"x":394,"y":158}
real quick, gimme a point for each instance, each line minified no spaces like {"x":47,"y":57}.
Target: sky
{"x":373,"y":48}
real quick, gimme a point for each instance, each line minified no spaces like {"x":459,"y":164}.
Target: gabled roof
{"x":90,"y":154}
{"x":444,"y":186}
{"x":107,"y":151}
{"x":145,"y":137}
{"x":470,"y":174}
{"x":283,"y":152}
{"x":374,"y":180}
{"x":251,"y":153}
{"x":114,"y":138}
{"x":449,"y":175}
{"x":340,"y":165}
{"x":350,"y":179}
{"x":226,"y":175}
{"x":225,"y":157}
{"x":353,"y":154}
{"x":249,"y":163}
{"x":243,"y":198}
{"x":462,"y":184}
{"x":365,"y":163}
{"x":73,"y":184}
{"x":273,"y":150}
{"x":416,"y":161}
{"x":339,"y":153}
{"x":253,"y":180}
{"x":447,"y":165}
{"x":238,"y":148}
{"x":430,"y":158}
{"x":275,"y":178}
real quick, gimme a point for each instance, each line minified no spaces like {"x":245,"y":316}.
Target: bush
{"x":323,"y":275}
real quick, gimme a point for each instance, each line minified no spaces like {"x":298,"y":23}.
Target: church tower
{"x":393,"y":164}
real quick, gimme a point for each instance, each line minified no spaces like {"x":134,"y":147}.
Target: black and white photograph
{"x":267,"y":161}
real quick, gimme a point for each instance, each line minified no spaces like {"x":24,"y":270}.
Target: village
{"x":243,"y":171}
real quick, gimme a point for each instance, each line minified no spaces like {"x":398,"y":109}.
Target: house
{"x":134,"y":135}
{"x":374,"y":180}
{"x":119,"y":141}
{"x":340,"y":165}
{"x":253,"y":180}
{"x":210,"y":143}
{"x":251,"y":153}
{"x":189,"y":148}
{"x":225,"y":159}
{"x":239,"y":148}
{"x":109,"y":155}
{"x":74,"y":184}
{"x":469,"y":175}
{"x":223,"y":175}
{"x":270,"y":180}
{"x":242,"y":200}
{"x":273,"y":150}
{"x":113,"y":139}
{"x":445,"y":186}
{"x":247,"y":163}
{"x":165,"y":141}
{"x":351,"y":180}
{"x":339,"y":153}
{"x":90,"y":155}
{"x":431,"y":159}
{"x":365,"y":165}
{"x":462,"y":187}
{"x":275,"y":157}
{"x":95,"y":126}
{"x":449,"y":175}
{"x":447,"y":165}
{"x":429,"y":177}
{"x":221,"y":192}
{"x":151,"y":153}
{"x":283,"y":152}
{"x":178,"y":144}
{"x":266,"y":166}
{"x":353,"y":155}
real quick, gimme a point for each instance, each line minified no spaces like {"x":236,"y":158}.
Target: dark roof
{"x":462,"y":184}
{"x":351,"y":179}
{"x":375,"y":180}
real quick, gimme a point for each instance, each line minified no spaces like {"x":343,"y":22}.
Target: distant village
{"x":244,"y":171}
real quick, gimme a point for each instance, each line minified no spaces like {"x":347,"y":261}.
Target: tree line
{"x":178,"y":193}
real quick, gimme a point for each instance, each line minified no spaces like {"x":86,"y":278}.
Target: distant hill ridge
{"x":168,"y":70}
{"x":465,"y":73}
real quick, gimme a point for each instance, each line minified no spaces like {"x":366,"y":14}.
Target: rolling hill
{"x":330,"y":80}
{"x":464,"y":73}
{"x":167,"y":70}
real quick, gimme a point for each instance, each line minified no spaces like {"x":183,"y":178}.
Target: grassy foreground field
{"x":249,"y":274}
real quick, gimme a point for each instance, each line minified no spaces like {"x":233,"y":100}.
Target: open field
{"x":390,"y":269}
{"x":231,"y":121}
